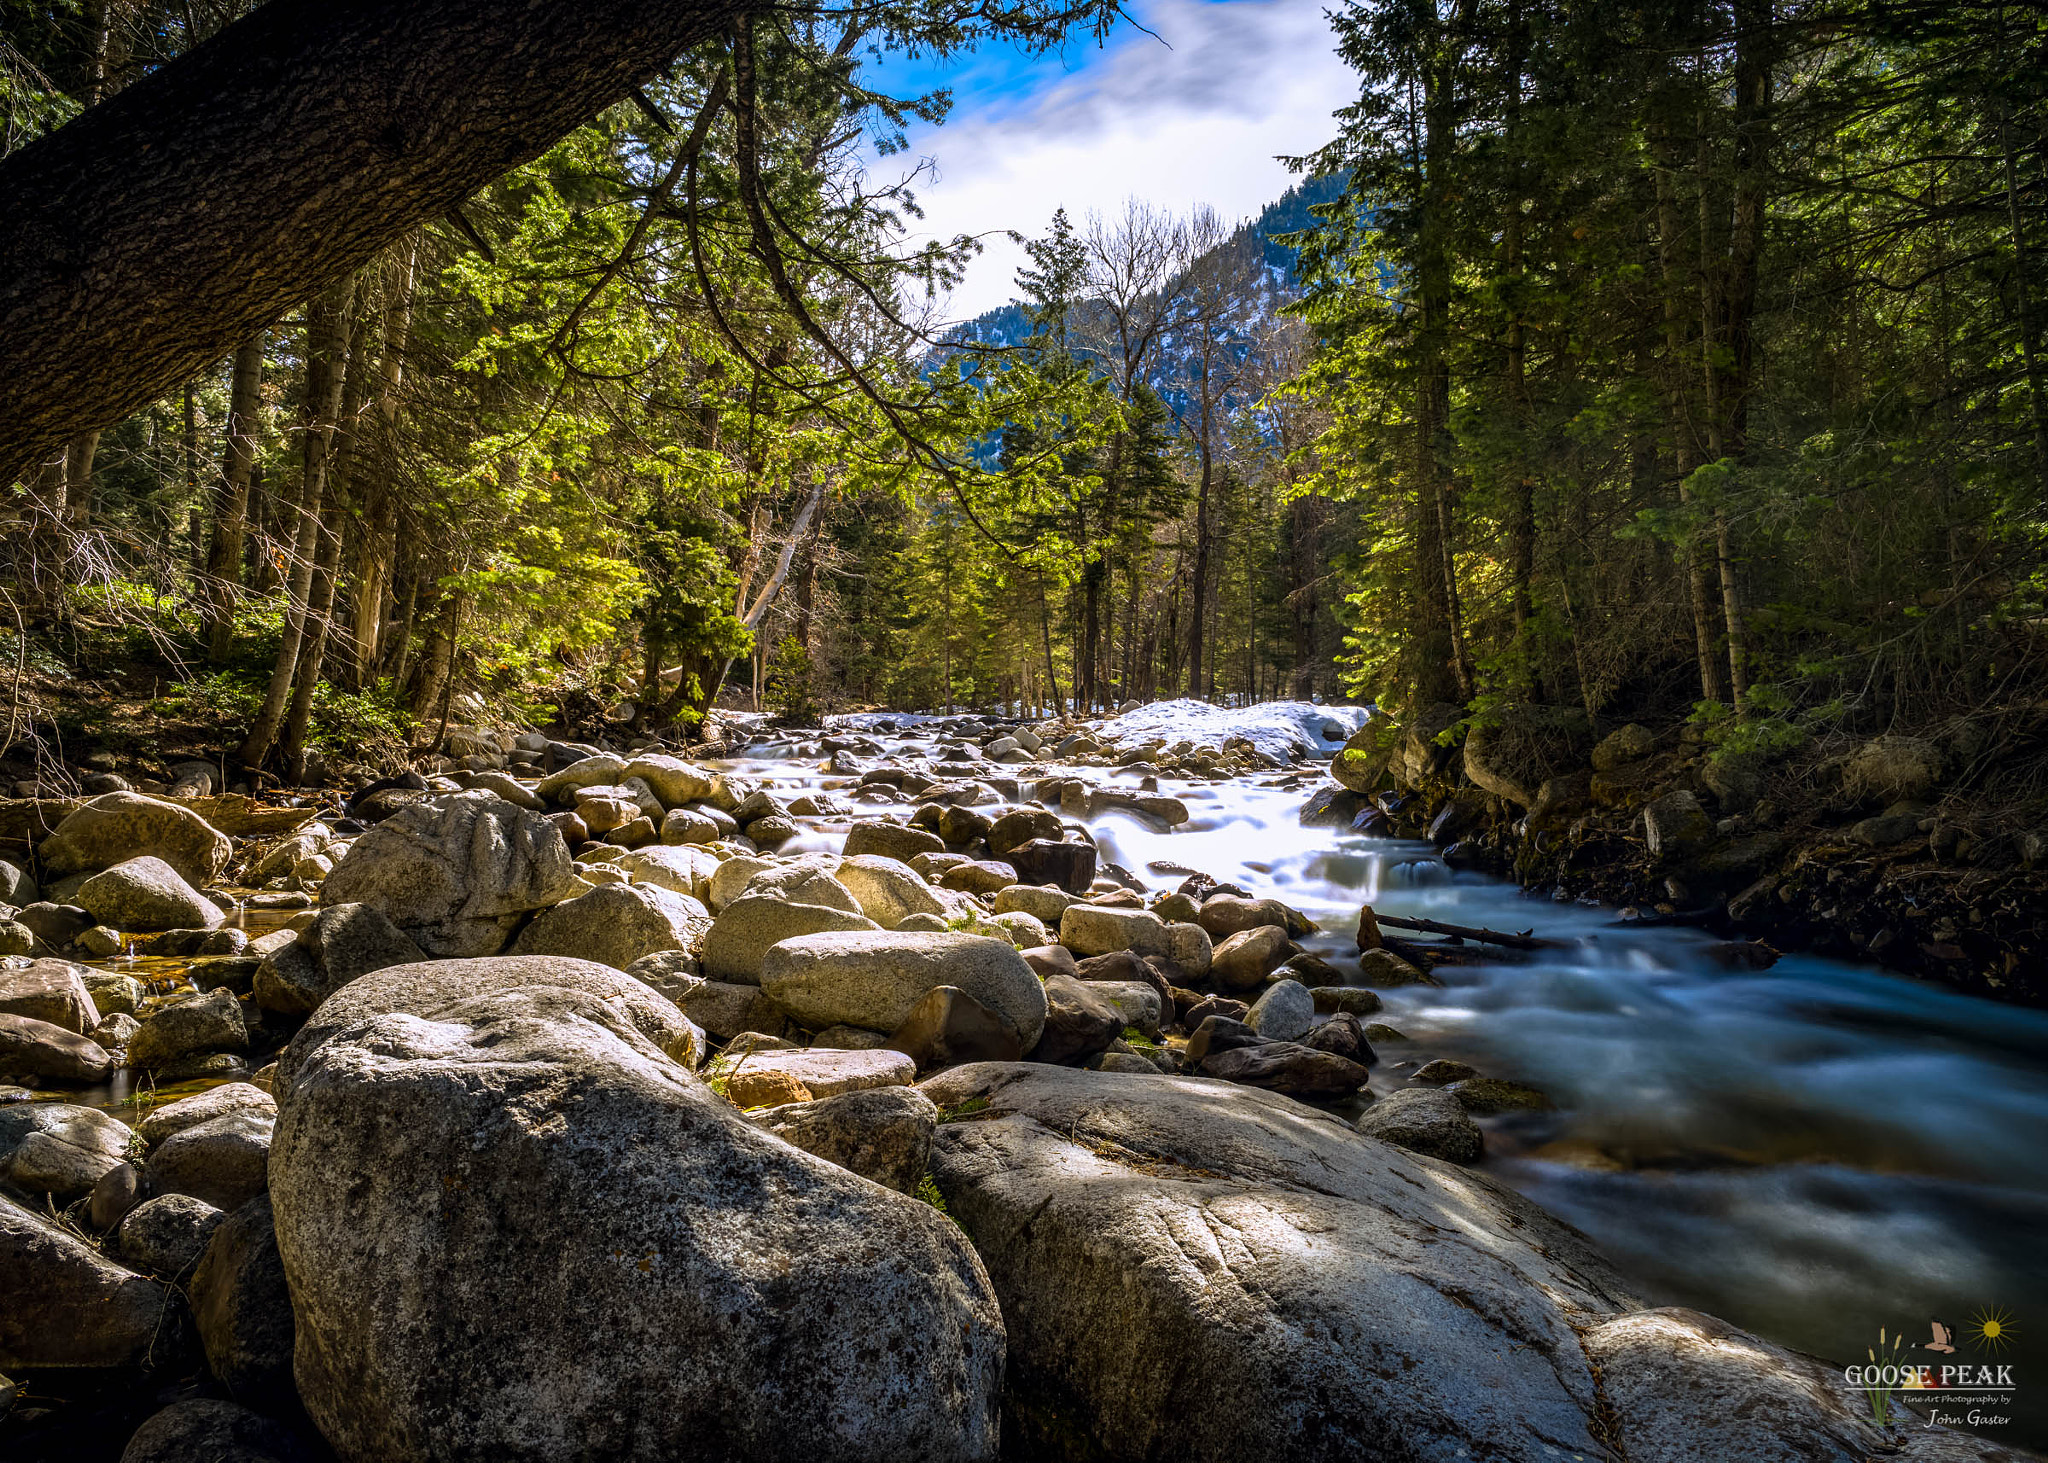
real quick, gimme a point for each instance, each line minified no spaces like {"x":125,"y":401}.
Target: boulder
{"x":47,"y":1052}
{"x":243,"y":1307}
{"x":874,"y":980}
{"x":686,"y":826}
{"x":672,"y":972}
{"x":891,"y":840}
{"x":1683,"y":1387}
{"x":803,"y":883}
{"x":1675,"y":827}
{"x":1242,"y":962}
{"x":822,"y":1071}
{"x":1622,"y":746}
{"x":616,"y":924}
{"x":118,"y":826}
{"x":880,"y":1133}
{"x":1339,"y":998}
{"x":888,"y":891}
{"x":1284,"y":1012}
{"x":208,"y":1430}
{"x":60,"y":1148}
{"x":1041,"y":901}
{"x":1136,"y":1002}
{"x":1079,"y":1022}
{"x":740,"y":939}
{"x":603,"y":1259}
{"x":725,"y":1010}
{"x":947,"y":1027}
{"x":343,"y":942}
{"x":1068,"y":866}
{"x":456,"y":874}
{"x":1424,"y":1121}
{"x":979,"y":876}
{"x":1513,"y":756}
{"x":1289,"y":1067}
{"x":69,"y":1306}
{"x":222,"y":1160}
{"x":1361,"y":763}
{"x":1427,"y":744}
{"x":52,"y":991}
{"x":1021,"y":826}
{"x":601,"y":770}
{"x":1224,"y":915}
{"x":166,"y":1235}
{"x":118,"y":1191}
{"x":685,"y":869}
{"x":55,"y":925}
{"x":1213,"y":1280}
{"x":1385,"y":969}
{"x":207,"y":1023}
{"x":1342,"y":1035}
{"x":671,"y":779}
{"x":146,"y":894}
{"x":17,"y":887}
{"x":1095,"y":929}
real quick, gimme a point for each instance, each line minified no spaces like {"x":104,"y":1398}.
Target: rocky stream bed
{"x":945,"y":1088}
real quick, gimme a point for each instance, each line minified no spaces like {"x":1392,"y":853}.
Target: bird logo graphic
{"x":1944,"y":1340}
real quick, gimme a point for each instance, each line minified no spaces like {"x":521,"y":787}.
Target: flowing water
{"x":1812,"y":1151}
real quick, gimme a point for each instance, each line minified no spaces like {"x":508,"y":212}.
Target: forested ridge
{"x":1669,"y":362}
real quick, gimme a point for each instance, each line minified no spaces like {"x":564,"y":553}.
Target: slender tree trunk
{"x":327,"y":336}
{"x":78,"y":464}
{"x":231,"y":503}
{"x":1436,"y":661}
{"x":1198,"y":584}
{"x":378,"y":551}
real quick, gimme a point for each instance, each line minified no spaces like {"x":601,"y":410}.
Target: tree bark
{"x":231,"y":510}
{"x":180,"y":217}
{"x":326,"y":346}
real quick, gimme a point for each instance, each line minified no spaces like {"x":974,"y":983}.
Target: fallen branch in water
{"x":1526,"y":940}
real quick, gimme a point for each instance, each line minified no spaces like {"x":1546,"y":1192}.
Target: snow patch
{"x":1277,"y":728}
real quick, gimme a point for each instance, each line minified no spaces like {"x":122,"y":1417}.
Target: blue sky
{"x":1195,"y":113}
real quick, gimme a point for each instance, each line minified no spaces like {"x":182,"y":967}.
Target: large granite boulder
{"x":1205,"y":1274}
{"x":616,"y":924}
{"x":61,"y":1149}
{"x":43,"y":1050}
{"x":146,"y":894}
{"x":242,"y":1306}
{"x":880,"y":1133}
{"x":457,"y":873}
{"x":874,"y":980}
{"x":1425,"y":1121}
{"x":118,"y":826}
{"x":212,"y":1022}
{"x":223,"y":1161}
{"x":888,"y":890}
{"x":513,"y":1227}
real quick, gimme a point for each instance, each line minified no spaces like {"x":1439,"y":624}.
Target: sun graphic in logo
{"x":1991,"y":1328}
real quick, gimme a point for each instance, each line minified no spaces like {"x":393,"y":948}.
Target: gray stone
{"x":892,"y":840}
{"x":687,"y":826}
{"x":875,"y":979}
{"x":1242,"y":962}
{"x":822,"y":1071}
{"x":69,"y":1306}
{"x":16,"y":938}
{"x":165,"y":1236}
{"x":1284,"y":1012}
{"x":947,"y":1027}
{"x":63,"y":1149}
{"x":1214,"y":1280}
{"x":671,"y":779}
{"x":1354,"y":999}
{"x":1683,"y":1387}
{"x":207,"y":1023}
{"x":562,"y":785}
{"x":16,"y":886}
{"x":1095,"y":929}
{"x":686,"y":869}
{"x":1224,"y":915}
{"x":1385,"y":969}
{"x":52,"y":991}
{"x":1424,"y":1121}
{"x":146,"y":894}
{"x":603,"y":1259}
{"x":118,"y":1190}
{"x":1675,"y":826}
{"x":979,"y":876}
{"x":208,"y":1430}
{"x":1289,"y":1067}
{"x":1079,"y":1022}
{"x":740,"y":939}
{"x":672,"y":972}
{"x":1484,"y":1095}
{"x":124,"y":825}
{"x":343,"y":942}
{"x":456,"y":874}
{"x":1626,"y":744}
{"x":204,"y":1107}
{"x":803,"y":883}
{"x":880,"y":1133}
{"x":221,"y":1160}
{"x":725,"y":1010}
{"x":1040,"y":901}
{"x":38,"y":1049}
{"x":888,"y":890}
{"x":243,"y":1307}
{"x":617,"y":924}
{"x":112,"y":993}
{"x":504,"y":785}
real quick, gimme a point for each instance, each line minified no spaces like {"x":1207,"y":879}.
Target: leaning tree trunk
{"x":150,"y":236}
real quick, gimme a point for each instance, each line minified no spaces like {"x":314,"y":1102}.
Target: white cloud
{"x":1198,"y":116}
